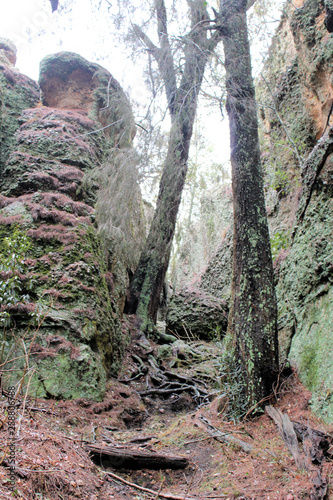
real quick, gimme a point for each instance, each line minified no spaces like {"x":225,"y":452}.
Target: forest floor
{"x":52,"y":463}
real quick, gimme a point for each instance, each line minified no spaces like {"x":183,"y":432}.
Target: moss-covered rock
{"x":312,"y":348}
{"x":17,"y":92}
{"x":298,"y":87}
{"x":193,"y":314}
{"x":68,"y":81}
{"x":72,"y":285}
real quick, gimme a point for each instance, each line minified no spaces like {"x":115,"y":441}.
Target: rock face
{"x":297,"y":90}
{"x":70,"y":82}
{"x":17,"y":92}
{"x":305,"y":281}
{"x":300,"y":98}
{"x":73,"y":290}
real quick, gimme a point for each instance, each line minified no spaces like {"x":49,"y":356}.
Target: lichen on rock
{"x":17,"y":92}
{"x":70,"y":325}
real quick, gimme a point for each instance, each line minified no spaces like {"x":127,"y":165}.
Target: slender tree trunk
{"x":149,"y":278}
{"x":147,"y":283}
{"x":253,"y":319}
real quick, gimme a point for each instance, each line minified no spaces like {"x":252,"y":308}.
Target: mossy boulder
{"x":193,"y":314}
{"x":68,"y":81}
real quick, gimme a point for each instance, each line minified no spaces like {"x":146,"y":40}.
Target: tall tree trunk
{"x":147,"y":283}
{"x":148,"y":280}
{"x":253,"y":319}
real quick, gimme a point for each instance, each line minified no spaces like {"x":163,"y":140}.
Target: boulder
{"x":17,"y":92}
{"x":68,"y":81}
{"x":193,"y":314}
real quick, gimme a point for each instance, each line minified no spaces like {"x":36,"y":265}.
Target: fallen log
{"x":288,"y":435}
{"x":18,"y":472}
{"x":321,"y":444}
{"x":132,"y":458}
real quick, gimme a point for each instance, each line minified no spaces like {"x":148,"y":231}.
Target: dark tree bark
{"x":254,"y":312}
{"x":329,"y":15}
{"x":149,"y":277}
{"x":253,"y":319}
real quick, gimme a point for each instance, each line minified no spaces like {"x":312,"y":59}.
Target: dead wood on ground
{"x":223,"y":436}
{"x":132,"y":458}
{"x":157,"y":494}
{"x":308,"y":446}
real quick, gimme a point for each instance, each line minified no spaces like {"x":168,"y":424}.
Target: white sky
{"x":37,"y":32}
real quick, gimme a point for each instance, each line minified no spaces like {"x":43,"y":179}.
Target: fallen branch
{"x":288,"y":435}
{"x":18,"y":471}
{"x":142,"y":439}
{"x":320,"y":444}
{"x":315,"y":445}
{"x":157,"y":494}
{"x":132,"y":458}
{"x":224,"y":437}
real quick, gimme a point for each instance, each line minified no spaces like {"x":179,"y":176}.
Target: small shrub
{"x":232,"y":382}
{"x":279,"y":241}
{"x":14,"y":249}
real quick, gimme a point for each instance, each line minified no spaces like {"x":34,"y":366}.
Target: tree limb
{"x":288,"y":435}
{"x":132,"y":458}
{"x":225,"y":437}
{"x":146,"y":41}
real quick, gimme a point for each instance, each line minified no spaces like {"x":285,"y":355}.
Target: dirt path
{"x":52,"y":464}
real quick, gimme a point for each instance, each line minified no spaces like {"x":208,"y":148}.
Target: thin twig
{"x":24,"y":402}
{"x":169,"y":496}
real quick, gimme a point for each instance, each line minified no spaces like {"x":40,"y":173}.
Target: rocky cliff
{"x":297,"y":88}
{"x":63,"y":286}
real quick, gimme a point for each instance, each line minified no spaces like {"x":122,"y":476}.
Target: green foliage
{"x":281,"y":181}
{"x":13,"y":249}
{"x":279,"y":241}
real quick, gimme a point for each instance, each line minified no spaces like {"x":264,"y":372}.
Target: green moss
{"x":85,"y":317}
{"x":311,"y":350}
{"x":18,"y":92}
